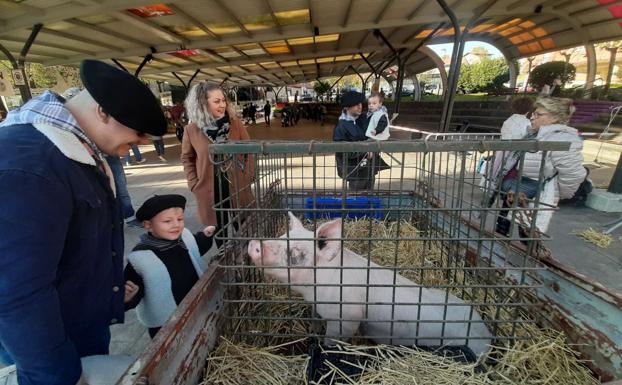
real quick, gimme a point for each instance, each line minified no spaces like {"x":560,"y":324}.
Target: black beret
{"x":351,"y":98}
{"x":158,"y":203}
{"x":124,"y":97}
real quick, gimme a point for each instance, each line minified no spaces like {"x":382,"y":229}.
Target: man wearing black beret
{"x":353,"y":166}
{"x":61,"y":250}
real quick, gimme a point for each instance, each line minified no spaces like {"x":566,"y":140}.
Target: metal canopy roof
{"x":289,"y":41}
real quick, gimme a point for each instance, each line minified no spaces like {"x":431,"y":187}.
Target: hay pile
{"x":275,"y":303}
{"x":242,"y":364}
{"x":547,"y":359}
{"x":598,"y":238}
{"x":544,"y":358}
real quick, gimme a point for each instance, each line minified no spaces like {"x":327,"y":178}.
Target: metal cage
{"x":429,"y":217}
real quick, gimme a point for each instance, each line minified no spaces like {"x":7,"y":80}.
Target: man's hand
{"x":131,"y":289}
{"x":209,"y":231}
{"x":373,"y":132}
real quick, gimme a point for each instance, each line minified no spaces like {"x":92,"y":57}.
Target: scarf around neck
{"x":218,"y":131}
{"x":148,"y":241}
{"x":49,"y":108}
{"x":345,"y":116}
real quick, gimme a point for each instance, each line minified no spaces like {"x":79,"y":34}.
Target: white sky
{"x":442,"y":49}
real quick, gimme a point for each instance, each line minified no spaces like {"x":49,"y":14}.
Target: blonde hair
{"x":196,"y":104}
{"x":561,"y":108}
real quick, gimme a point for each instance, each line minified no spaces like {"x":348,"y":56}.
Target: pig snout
{"x":254,"y":251}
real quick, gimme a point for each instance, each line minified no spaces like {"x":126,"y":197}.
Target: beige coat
{"x":199,"y":171}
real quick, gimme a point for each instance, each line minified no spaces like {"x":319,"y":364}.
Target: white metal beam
{"x":194,"y":21}
{"x":233,"y":17}
{"x":106,"y":31}
{"x":150,"y":26}
{"x":80,"y":39}
{"x":70,"y":10}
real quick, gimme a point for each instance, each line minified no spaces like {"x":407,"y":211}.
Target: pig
{"x":318,"y":260}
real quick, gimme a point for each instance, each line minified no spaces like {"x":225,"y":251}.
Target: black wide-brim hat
{"x":124,"y":97}
{"x":351,"y":98}
{"x":158,"y":203}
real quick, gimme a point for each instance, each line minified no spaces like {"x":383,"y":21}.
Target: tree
{"x":40,"y":76}
{"x":487,"y":74}
{"x":480,"y":51}
{"x":612,"y":47}
{"x":548,"y":73}
{"x":321,"y":88}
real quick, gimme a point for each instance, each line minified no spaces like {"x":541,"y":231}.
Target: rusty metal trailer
{"x":590,"y":315}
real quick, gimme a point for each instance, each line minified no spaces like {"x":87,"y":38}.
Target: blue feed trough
{"x":358,"y":207}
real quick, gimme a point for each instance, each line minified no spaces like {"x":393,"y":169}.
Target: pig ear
{"x":294,"y":222}
{"x":329,"y":239}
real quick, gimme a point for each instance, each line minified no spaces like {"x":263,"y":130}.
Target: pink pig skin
{"x":348,"y":302}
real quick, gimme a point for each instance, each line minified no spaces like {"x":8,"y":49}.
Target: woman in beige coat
{"x":213,"y":121}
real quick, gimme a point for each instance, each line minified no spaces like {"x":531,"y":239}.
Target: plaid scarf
{"x":49,"y":108}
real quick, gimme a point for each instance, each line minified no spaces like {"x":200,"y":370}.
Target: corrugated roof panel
{"x":277,"y":50}
{"x":424,"y":33}
{"x":343,"y":57}
{"x":258,"y":22}
{"x":269,"y":64}
{"x":480,"y":28}
{"x":539,"y":32}
{"x":299,"y":16}
{"x":325,"y":59}
{"x":527,"y":24}
{"x":149,"y":11}
{"x":547,"y":43}
{"x":186,"y":31}
{"x":288,"y":63}
{"x":510,"y":31}
{"x":223,"y":28}
{"x":101,"y":18}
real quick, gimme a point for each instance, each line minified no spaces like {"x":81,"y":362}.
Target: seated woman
{"x":563,"y":170}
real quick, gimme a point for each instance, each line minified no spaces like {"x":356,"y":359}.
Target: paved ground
{"x":155,"y":177}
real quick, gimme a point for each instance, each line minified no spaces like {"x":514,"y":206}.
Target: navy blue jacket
{"x":347,"y":162}
{"x":61,"y":258}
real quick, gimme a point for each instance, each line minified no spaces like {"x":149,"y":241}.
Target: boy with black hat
{"x":166,"y":263}
{"x":351,"y":127}
{"x":61,"y":250}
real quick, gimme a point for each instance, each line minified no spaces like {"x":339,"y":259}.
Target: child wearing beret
{"x":166,"y":263}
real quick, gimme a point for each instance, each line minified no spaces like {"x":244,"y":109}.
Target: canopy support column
{"x":591,"y":70}
{"x":19,"y":64}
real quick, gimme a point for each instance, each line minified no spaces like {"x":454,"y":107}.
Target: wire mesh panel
{"x":413,"y":258}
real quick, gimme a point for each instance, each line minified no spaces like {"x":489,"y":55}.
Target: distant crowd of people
{"x":291,"y":113}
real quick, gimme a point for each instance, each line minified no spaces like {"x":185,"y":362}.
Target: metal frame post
{"x":148,"y":57}
{"x":454,"y":70}
{"x":360,"y":77}
{"x":19,"y":64}
{"x":115,"y":61}
{"x":181,"y":80}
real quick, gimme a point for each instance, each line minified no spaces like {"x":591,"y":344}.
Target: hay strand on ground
{"x":598,"y":238}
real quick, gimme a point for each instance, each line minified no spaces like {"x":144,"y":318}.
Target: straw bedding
{"x":271,"y":357}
